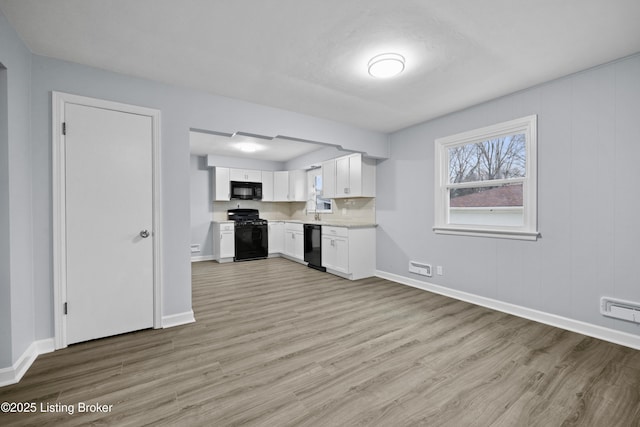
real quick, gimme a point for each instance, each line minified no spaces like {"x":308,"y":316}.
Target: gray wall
{"x":588,"y":204}
{"x":5,"y":227}
{"x":16,"y":233}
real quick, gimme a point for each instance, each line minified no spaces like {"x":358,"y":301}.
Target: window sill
{"x":495,"y":233}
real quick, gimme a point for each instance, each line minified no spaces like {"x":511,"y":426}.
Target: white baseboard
{"x":202,"y":258}
{"x":178,"y":319}
{"x":595,"y":331}
{"x":14,"y":373}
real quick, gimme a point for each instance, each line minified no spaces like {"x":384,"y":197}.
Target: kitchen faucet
{"x":316,"y":216}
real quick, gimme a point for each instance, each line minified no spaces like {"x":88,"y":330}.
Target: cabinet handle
{"x":220,"y":236}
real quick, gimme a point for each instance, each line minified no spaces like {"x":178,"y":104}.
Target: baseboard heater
{"x":620,"y":309}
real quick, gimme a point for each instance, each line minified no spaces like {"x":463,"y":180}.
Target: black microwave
{"x":246,"y":190}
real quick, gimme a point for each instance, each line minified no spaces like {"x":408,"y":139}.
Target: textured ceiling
{"x":310,"y":56}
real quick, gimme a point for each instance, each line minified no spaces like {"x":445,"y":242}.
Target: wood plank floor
{"x":278,"y":344}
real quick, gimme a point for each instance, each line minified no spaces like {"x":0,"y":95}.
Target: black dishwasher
{"x":313,"y":246}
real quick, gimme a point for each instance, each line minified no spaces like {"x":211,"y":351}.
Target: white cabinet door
{"x":253,"y":175}
{"x":289,"y":243}
{"x":227,"y":244}
{"x":329,"y":179}
{"x":341,"y":246}
{"x":343,"y":181}
{"x":245,"y":175}
{"x":237,"y":175}
{"x":294,"y":240}
{"x":276,"y":237}
{"x":222,"y":190}
{"x":355,"y":175}
{"x":281,"y":186}
{"x":335,"y":251}
{"x":297,"y":186}
{"x":223,"y":240}
{"x":298,"y":250}
{"x":328,"y":252}
{"x":267,"y":186}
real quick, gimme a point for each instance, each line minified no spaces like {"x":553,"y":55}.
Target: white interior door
{"x":109,"y":211}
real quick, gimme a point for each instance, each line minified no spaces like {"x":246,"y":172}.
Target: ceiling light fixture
{"x":248,"y":147}
{"x":386,"y":65}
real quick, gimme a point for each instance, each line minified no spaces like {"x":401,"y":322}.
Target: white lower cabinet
{"x":349,"y":252}
{"x":294,"y":241}
{"x":224,"y":247}
{"x":276,"y":237}
{"x":335,"y":253}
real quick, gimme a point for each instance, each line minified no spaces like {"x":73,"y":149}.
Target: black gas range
{"x":251,"y":234}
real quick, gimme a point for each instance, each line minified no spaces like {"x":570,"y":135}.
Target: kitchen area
{"x":321,"y":215}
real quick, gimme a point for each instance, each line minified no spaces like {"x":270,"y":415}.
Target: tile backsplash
{"x":345,"y":211}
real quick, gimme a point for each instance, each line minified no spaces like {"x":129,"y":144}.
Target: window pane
{"x":499,"y":205}
{"x":497,"y":158}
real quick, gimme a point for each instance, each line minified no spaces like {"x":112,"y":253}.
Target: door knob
{"x":144,"y":234}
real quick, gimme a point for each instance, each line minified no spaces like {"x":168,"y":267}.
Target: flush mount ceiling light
{"x":386,"y":65}
{"x":247,"y":147}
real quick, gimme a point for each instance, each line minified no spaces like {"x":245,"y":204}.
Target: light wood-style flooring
{"x":279,"y":344}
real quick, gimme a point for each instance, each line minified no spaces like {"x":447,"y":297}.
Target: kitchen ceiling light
{"x":247,"y":147}
{"x":386,"y":65}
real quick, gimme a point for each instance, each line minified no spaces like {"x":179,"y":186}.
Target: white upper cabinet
{"x":267,"y":186}
{"x":329,"y":179}
{"x":298,"y":186}
{"x":349,"y":176}
{"x":344,"y":177}
{"x":222,"y":189}
{"x":245,"y":175}
{"x":281,"y":186}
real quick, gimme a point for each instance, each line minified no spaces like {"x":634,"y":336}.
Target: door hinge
{"x":65,"y":308}
{"x":64,"y":128}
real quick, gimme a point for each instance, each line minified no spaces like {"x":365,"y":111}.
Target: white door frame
{"x":59,"y":99}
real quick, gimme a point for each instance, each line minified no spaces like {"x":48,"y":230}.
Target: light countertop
{"x":326,"y":223}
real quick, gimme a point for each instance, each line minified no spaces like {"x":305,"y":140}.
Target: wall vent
{"x":420,"y":268}
{"x":195,"y":248}
{"x":620,"y":309}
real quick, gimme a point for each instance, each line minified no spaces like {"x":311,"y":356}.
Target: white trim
{"x":202,"y":258}
{"x":595,"y":331}
{"x":59,"y":99}
{"x":14,"y":373}
{"x":487,"y":232}
{"x":442,"y":186}
{"x":178,"y":319}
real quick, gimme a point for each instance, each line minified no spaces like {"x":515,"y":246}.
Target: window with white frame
{"x":315,"y":203}
{"x":486,"y":181}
